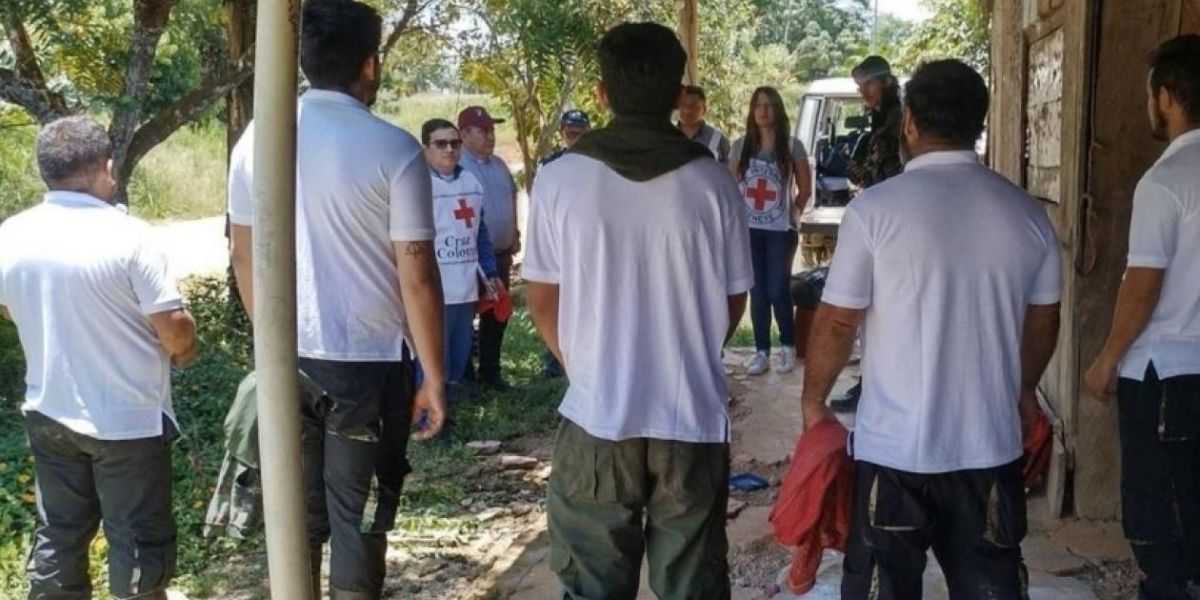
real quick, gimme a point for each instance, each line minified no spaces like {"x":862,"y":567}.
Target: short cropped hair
{"x":433,"y":125}
{"x":695,"y":90}
{"x":1175,"y":67}
{"x":948,"y":100}
{"x":70,"y":148}
{"x":641,"y":65}
{"x":336,"y":38}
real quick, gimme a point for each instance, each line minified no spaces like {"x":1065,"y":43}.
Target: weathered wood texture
{"x":1006,"y":124}
{"x":1122,"y":148}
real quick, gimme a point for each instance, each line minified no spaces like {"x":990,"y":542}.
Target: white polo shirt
{"x":1165,"y":234}
{"x":361,"y":184}
{"x":644,"y":270}
{"x":945,"y":258}
{"x":79,"y":278}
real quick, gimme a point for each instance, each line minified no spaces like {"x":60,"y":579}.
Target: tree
{"x":538,"y":58}
{"x":152,"y":65}
{"x":823,"y":36}
{"x":957,"y":29}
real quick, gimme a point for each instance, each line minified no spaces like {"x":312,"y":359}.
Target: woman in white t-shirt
{"x":773,"y":173}
{"x":462,"y":244}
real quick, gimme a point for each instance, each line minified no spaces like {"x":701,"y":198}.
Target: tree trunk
{"x":150,"y":18}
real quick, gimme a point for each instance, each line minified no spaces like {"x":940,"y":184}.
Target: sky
{"x":905,"y":9}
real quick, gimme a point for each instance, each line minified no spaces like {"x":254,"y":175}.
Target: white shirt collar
{"x":332,"y":97}
{"x":943,"y":158}
{"x":1186,"y":139}
{"x":66,"y":198}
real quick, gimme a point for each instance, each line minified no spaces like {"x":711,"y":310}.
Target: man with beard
{"x":876,"y":157}
{"x":368,"y":293}
{"x":1152,"y":356}
{"x":938,"y":441}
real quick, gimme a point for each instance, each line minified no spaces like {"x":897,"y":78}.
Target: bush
{"x":202,"y":395}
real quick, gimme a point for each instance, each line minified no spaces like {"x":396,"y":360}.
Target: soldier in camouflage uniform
{"x":877,"y":155}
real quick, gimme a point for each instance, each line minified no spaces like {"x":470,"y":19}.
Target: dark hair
{"x":1175,"y":67}
{"x":890,"y":100}
{"x":641,"y":65}
{"x":753,"y":141}
{"x":947,"y":99}
{"x":70,"y":148}
{"x":433,"y":125}
{"x":695,"y":90}
{"x":336,"y":38}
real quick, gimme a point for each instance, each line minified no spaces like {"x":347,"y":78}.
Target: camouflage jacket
{"x":880,"y":158}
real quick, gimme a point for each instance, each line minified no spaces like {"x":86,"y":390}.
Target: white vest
{"x":457,"y":212}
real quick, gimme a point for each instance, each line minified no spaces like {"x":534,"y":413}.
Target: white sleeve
{"x":410,"y":202}
{"x":851,"y":275}
{"x":152,"y":281}
{"x":1154,"y":231}
{"x":799,"y":152}
{"x":542,"y":250}
{"x":739,"y":268}
{"x":241,"y":181}
{"x":1047,"y":285}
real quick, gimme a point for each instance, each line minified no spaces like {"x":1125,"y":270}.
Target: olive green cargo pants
{"x":610,"y":502}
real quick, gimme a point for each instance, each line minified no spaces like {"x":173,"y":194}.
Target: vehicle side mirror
{"x":859,"y":122}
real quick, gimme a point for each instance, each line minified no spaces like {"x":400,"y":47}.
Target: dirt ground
{"x":496,"y":547}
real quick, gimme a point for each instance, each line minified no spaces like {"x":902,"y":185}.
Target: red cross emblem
{"x":465,"y":213}
{"x":761,"y":194}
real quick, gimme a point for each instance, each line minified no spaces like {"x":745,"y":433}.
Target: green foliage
{"x":20,"y":185}
{"x":182,"y":178}
{"x":823,"y":36}
{"x":202,"y":395}
{"x":958,"y":29}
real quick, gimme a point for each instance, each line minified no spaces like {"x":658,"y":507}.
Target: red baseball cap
{"x":476,"y":116}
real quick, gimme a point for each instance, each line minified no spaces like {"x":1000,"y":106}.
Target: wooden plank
{"x":1006,"y":124}
{"x":1121,"y":151}
{"x":689,"y":34}
{"x":1190,"y":18}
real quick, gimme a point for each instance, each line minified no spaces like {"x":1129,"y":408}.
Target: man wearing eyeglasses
{"x":478,"y":130}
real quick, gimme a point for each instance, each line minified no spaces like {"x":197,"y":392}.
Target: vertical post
{"x":689,"y":34}
{"x":275,"y":298}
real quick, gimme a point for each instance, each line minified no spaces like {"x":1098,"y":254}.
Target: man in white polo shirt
{"x":639,"y":264}
{"x":955,"y":274}
{"x":1154,"y":346}
{"x":366,"y":277}
{"x":101,"y":323}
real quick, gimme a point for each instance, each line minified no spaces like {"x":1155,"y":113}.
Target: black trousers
{"x":974,"y":521}
{"x":491,"y":331}
{"x":356,"y":419}
{"x":1160,"y":480}
{"x":82,"y":481}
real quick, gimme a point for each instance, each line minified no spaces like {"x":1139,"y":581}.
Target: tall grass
{"x":183,"y":177}
{"x":20,"y":185}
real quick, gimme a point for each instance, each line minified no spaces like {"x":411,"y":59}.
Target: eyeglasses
{"x":444,"y":144}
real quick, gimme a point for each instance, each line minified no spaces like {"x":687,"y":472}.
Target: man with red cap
{"x":478,"y":130}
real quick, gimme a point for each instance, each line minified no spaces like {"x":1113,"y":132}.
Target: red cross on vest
{"x":465,"y":213}
{"x":761,"y":194}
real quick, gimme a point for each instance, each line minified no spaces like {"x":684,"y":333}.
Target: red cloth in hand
{"x":497,"y":300}
{"x":812,"y":512}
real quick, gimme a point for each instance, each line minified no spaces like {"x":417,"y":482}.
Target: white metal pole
{"x":275,"y":298}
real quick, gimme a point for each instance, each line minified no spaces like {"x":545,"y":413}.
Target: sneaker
{"x":759,"y":364}
{"x":787,"y":360}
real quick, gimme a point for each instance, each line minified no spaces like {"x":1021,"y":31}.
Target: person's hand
{"x":496,"y":284}
{"x":187,"y":357}
{"x":1100,"y":380}
{"x":429,"y":405}
{"x":1028,"y":408}
{"x":815,"y":415}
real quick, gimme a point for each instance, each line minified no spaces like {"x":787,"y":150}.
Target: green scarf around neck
{"x":640,"y":148}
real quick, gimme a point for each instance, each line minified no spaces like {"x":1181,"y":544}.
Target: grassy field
{"x":184,"y":177}
{"x":202,"y":395}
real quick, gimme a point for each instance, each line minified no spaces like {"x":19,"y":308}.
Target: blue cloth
{"x":771,"y":252}
{"x":458,"y":323}
{"x":487,"y":253}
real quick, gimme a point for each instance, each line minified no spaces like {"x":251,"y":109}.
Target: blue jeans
{"x":771,"y":253}
{"x":458,"y":322}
